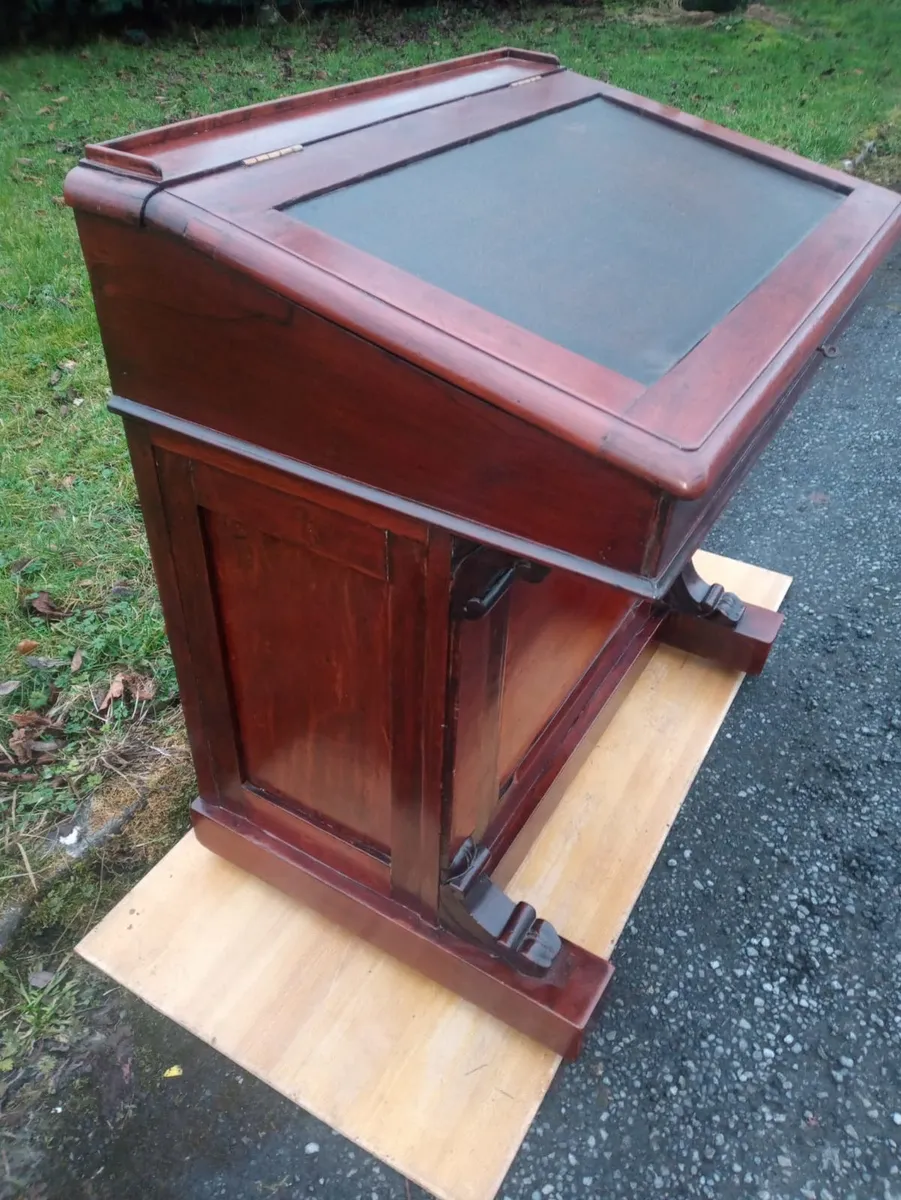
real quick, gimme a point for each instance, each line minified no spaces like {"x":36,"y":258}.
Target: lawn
{"x":89,"y":719}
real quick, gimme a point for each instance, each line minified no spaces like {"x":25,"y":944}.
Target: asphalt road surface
{"x":751,"y":1048}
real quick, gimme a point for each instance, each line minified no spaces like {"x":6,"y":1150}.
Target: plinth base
{"x":433,"y":1086}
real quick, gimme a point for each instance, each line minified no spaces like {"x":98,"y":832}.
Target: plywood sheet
{"x":429,"y":1084}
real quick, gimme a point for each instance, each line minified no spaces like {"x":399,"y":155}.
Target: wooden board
{"x":432,"y":1086}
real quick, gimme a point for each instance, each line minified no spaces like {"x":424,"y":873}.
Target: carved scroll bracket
{"x":476,"y":908}
{"x":694,"y":597}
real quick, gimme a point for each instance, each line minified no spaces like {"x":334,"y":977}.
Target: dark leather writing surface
{"x":602,"y":230}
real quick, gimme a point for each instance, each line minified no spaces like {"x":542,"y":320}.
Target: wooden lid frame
{"x":682,"y":434}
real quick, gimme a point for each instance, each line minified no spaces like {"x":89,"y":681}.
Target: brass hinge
{"x":531,"y":79}
{"x":258,"y":158}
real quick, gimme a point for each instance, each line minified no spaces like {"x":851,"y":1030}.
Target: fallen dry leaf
{"x":20,"y":744}
{"x":33,"y":720}
{"x":40,"y":979}
{"x":47,"y":749}
{"x":39,"y":663}
{"x":30,"y":741}
{"x":142,"y":687}
{"x":114,"y":692}
{"x":45,"y":607}
{"x":68,"y":481}
{"x":68,"y":364}
{"x":7,"y":688}
{"x":45,"y":111}
{"x":139,"y":687}
{"x":21,"y":719}
{"x":173,"y":1073}
{"x":26,"y":646}
{"x":55,"y":377}
{"x":17,"y":567}
{"x":77,"y":660}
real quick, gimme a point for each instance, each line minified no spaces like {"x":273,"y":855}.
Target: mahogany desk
{"x":432,"y":385}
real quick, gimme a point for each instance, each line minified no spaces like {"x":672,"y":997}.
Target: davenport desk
{"x":433,"y":384}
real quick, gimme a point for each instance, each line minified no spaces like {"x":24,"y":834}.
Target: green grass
{"x":823,"y":81}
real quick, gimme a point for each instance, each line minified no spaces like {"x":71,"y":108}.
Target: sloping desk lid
{"x":641,"y":283}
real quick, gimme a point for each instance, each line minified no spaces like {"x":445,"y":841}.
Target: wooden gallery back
{"x":432,"y":385}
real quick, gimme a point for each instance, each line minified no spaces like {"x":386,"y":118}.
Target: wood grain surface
{"x":430,"y":1084}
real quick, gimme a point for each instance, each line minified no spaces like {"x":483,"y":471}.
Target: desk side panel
{"x":555,"y":632}
{"x":190,"y":338}
{"x":309,"y":636}
{"x":527,"y":679}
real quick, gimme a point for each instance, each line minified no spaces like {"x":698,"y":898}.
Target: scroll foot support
{"x":706,"y":620}
{"x":474,"y":906}
{"x":554,"y":1008}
